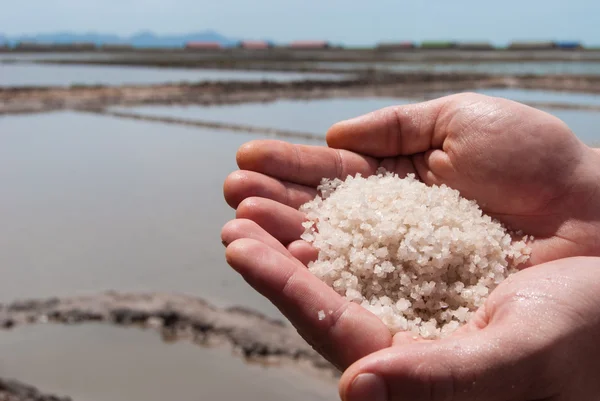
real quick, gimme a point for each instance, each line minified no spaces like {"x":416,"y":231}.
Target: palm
{"x":537,"y":331}
{"x":518,"y":163}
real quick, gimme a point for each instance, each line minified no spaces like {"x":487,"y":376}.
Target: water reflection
{"x":93,"y":203}
{"x":497,"y":68}
{"x":103,"y":363}
{"x":315,"y":116}
{"x":21,"y":74}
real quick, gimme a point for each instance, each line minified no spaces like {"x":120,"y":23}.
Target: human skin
{"x":522,"y":166}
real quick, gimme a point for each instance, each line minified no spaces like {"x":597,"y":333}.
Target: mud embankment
{"x":414,"y":85}
{"x":185,"y":57}
{"x":219,"y":64}
{"x":253,"y":336}
{"x":242,"y":128}
{"x":12,"y":390}
{"x":38,"y":99}
{"x":277,"y":132}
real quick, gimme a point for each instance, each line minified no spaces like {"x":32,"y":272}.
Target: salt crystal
{"x":420,"y":258}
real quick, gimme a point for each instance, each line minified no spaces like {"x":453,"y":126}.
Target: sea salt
{"x":421,"y":258}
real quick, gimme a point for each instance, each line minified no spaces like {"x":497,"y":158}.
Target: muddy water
{"x":94,"y":203}
{"x":103,"y":363}
{"x":314,"y":116}
{"x":21,"y":74}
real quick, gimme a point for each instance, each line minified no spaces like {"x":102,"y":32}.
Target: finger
{"x":400,"y":165}
{"x":302,"y":164}
{"x":479,"y":366}
{"x":303,"y":251}
{"x":425,"y":173}
{"x":347,"y":333}
{"x":281,"y":221}
{"x":243,"y":228}
{"x":242,"y":184}
{"x":392,"y":131}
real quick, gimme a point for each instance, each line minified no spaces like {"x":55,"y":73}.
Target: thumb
{"x":480,"y":365}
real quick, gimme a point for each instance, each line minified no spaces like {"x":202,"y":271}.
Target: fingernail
{"x":367,"y":387}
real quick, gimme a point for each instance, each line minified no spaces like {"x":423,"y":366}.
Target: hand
{"x":536,"y":338}
{"x":523,"y":166}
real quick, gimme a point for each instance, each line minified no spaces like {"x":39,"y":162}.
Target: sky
{"x":340,"y":21}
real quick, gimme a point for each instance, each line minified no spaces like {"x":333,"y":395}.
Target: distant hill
{"x":141,"y":39}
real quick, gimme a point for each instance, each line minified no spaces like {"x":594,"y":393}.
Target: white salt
{"x":321,"y":315}
{"x":421,"y":258}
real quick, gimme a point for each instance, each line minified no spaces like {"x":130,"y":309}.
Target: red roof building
{"x":254,"y":44}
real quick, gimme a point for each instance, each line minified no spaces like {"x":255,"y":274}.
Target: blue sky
{"x":344,"y":21}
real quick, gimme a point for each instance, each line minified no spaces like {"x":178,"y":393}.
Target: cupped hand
{"x":536,"y":338}
{"x":522,"y":166}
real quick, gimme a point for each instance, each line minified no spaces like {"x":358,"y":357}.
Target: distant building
{"x":387,"y":46}
{"x":255,"y":44}
{"x":203,"y":46}
{"x":531,"y":46}
{"x":437,"y":45}
{"x":33,"y":46}
{"x":569,"y":45}
{"x":77,"y":46}
{"x":309,"y":44}
{"x":65,"y":47}
{"x":475,"y":46}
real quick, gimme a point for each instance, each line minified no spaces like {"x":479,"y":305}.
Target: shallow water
{"x":24,"y":74}
{"x":314,"y":116}
{"x":498,"y":68}
{"x":102,"y":363}
{"x":93,"y":203}
{"x":55,"y":56}
{"x":586,"y":125}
